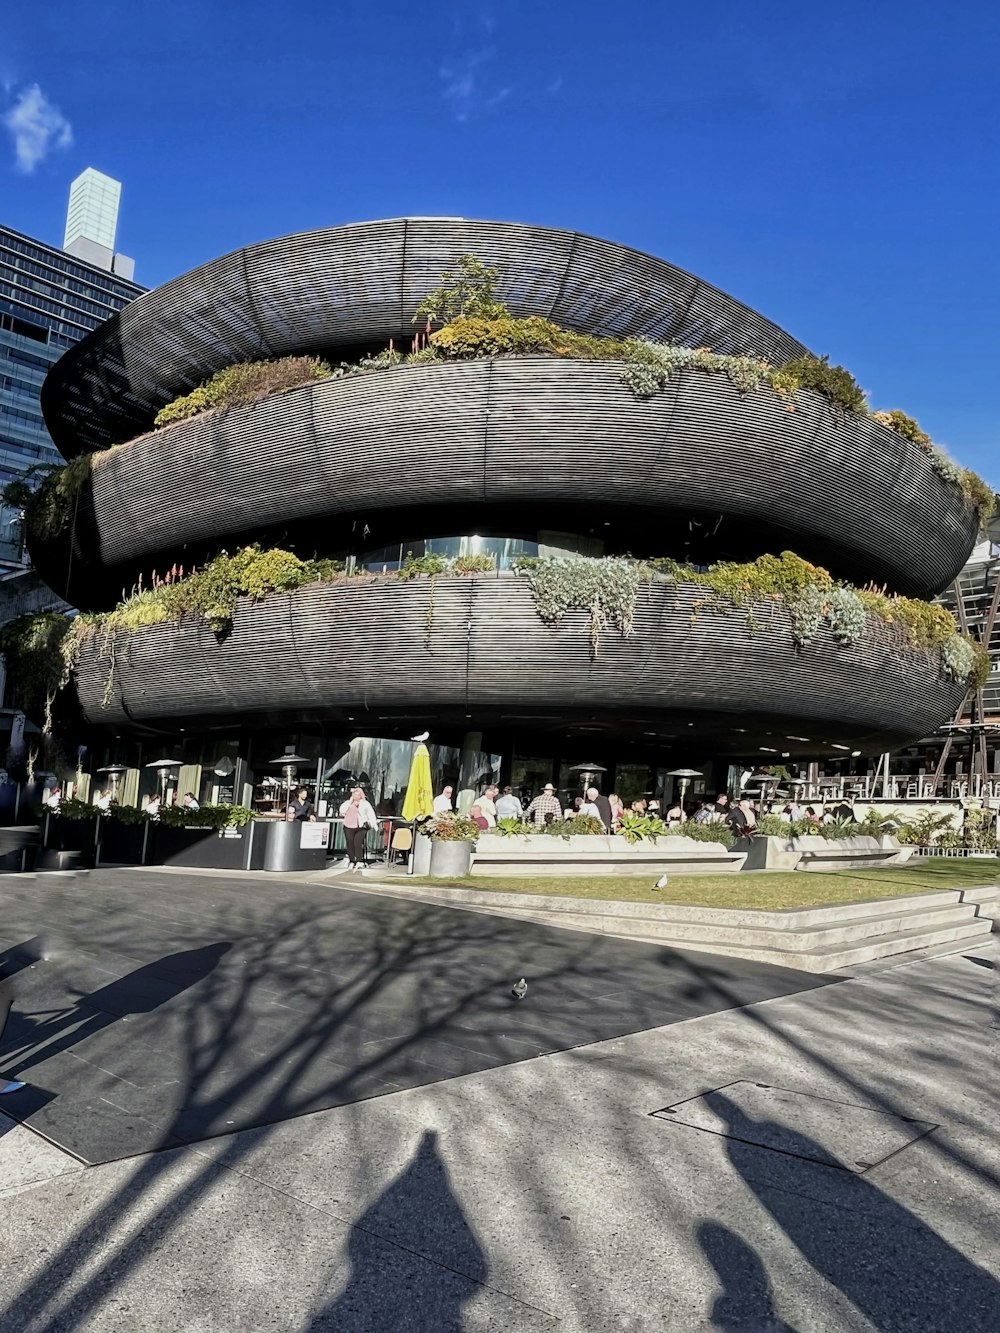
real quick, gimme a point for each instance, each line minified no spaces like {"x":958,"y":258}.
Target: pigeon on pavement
{"x":520,"y":989}
{"x":662,"y":882}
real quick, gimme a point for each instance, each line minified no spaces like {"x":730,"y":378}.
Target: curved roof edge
{"x":360,"y":283}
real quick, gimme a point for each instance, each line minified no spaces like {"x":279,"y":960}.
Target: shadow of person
{"x":390,"y":1286}
{"x":901,"y":1274}
{"x":17,"y":956}
{"x":746,"y":1304}
{"x":138,"y":992}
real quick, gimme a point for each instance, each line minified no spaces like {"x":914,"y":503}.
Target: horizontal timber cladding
{"x":477,"y":643}
{"x":354,"y":285}
{"x":522,"y":430}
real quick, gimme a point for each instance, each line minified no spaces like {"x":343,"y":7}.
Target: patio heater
{"x":163,"y":767}
{"x":683,"y":776}
{"x":289,"y":762}
{"x":113,"y":772}
{"x":589,"y":774}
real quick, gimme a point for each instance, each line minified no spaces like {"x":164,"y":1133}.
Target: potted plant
{"x":453,"y":840}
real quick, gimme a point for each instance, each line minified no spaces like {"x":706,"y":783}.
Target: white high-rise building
{"x":92,"y":221}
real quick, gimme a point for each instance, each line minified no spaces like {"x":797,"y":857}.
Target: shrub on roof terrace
{"x":467,"y":289}
{"x":244,"y":383}
{"x":483,"y":327}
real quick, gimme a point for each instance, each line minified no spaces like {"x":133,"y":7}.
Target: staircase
{"x":812,"y":939}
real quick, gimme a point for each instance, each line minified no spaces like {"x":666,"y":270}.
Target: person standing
{"x":442,"y":803}
{"x":545,"y":807}
{"x":605,"y":811}
{"x":508,"y":805}
{"x":302,"y":807}
{"x":358,"y":817}
{"x":487,"y":803}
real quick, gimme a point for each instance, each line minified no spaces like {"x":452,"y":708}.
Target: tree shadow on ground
{"x":286,"y":1077}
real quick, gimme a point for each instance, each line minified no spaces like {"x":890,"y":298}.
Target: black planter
{"x":70,"y":835}
{"x":201,"y":848}
{"x":120,"y":844}
{"x":18,"y":847}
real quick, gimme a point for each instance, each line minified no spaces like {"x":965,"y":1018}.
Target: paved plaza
{"x":266,"y":1104}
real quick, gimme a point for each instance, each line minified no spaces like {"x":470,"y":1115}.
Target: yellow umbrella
{"x":418,"y":802}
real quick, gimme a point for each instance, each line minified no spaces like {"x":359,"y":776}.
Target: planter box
{"x":70,"y":835}
{"x":120,"y":844}
{"x":18,"y":847}
{"x":770,"y":853}
{"x":818,"y":853}
{"x":450,"y":860}
{"x":848,"y":853}
{"x":199,"y":848}
{"x":582,"y":854}
{"x":421,"y":855}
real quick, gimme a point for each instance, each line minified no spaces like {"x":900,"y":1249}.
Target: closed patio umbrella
{"x":418,"y":803}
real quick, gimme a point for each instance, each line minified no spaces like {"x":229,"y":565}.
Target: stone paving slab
{"x":547,"y":1191}
{"x":159,"y":1009}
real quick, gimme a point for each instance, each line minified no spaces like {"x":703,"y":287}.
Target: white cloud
{"x":36,"y":127}
{"x":462,"y":81}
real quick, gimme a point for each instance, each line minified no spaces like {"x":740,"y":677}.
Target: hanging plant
{"x":606,"y":588}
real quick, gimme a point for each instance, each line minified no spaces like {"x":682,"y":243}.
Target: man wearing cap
{"x":546,"y":807}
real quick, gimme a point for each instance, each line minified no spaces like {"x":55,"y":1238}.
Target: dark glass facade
{"x":48,"y":302}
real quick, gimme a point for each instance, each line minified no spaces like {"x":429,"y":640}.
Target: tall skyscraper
{"x":93,"y":209}
{"x":92,"y":222}
{"x":48,"y":300}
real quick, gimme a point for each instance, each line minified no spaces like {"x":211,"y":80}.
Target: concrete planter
{"x":450,"y":860}
{"x":818,"y":853}
{"x":770,"y":854}
{"x":421,"y":855}
{"x":583,"y":854}
{"x":848,"y":853}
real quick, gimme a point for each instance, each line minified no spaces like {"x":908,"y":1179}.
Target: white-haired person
{"x":358,"y":817}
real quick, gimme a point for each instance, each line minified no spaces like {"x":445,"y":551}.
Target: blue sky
{"x":834,"y":166}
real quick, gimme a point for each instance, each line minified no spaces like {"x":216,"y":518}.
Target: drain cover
{"x":853,"y":1138}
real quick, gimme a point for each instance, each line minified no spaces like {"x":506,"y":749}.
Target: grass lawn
{"x":765,"y":891}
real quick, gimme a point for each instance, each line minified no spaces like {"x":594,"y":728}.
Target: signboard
{"x":315,"y":835}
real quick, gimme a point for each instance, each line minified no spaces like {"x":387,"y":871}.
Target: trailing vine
{"x":605,"y":588}
{"x":48,"y":506}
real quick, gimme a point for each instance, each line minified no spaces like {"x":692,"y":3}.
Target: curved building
{"x":391,"y":463}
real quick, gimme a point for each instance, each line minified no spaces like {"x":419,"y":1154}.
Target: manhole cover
{"x":818,"y":1129}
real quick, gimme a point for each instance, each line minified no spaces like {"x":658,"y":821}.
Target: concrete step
{"x":838,"y":958}
{"x":845,"y":930}
{"x":818,"y":940}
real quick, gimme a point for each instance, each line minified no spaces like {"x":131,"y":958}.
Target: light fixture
{"x":114,"y":772}
{"x":163,"y":767}
{"x":684,"y":776}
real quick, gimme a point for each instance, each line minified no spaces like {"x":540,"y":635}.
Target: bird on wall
{"x":520,"y":989}
{"x":422,"y":737}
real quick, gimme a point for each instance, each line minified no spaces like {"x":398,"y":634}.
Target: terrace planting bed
{"x":580,"y":854}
